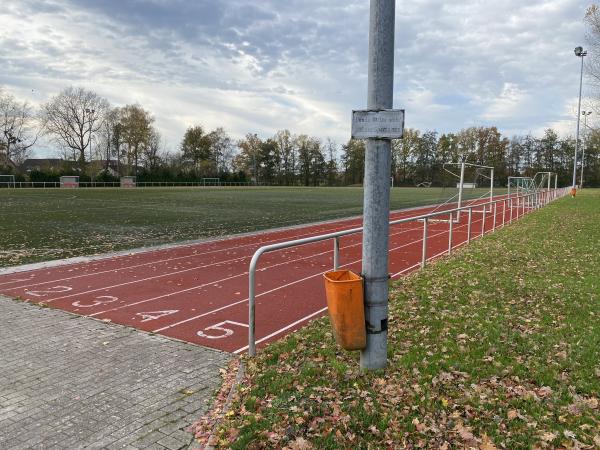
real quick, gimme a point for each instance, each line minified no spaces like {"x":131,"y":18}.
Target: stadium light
{"x":585,"y":114}
{"x":580,"y":53}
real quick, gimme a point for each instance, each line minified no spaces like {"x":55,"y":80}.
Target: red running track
{"x":199,"y":292}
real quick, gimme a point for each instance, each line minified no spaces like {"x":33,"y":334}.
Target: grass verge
{"x":497,"y":347}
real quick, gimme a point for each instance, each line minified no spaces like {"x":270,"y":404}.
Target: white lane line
{"x":335,"y":224}
{"x":313,"y":255}
{"x":114,"y":270}
{"x":281,"y":330}
{"x":165,"y":275}
{"x":18,"y":280}
{"x":189,"y":319}
{"x":234,"y":304}
{"x":305,"y":318}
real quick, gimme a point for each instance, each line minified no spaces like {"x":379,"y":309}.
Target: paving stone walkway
{"x":70,"y":382}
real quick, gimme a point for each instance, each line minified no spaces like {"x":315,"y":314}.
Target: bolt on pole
{"x":377,"y":186}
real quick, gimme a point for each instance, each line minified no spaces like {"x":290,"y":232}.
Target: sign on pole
{"x":382,"y":124}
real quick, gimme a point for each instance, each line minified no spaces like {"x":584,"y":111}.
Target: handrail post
{"x":451,"y":226}
{"x":424,"y":252}
{"x":483,"y":221}
{"x":336,"y":253}
{"x":495,"y":213}
{"x":503,"y":212}
{"x":469,"y":225}
{"x":252,"y":304}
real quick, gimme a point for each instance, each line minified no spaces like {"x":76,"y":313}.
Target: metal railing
{"x":526,"y":203}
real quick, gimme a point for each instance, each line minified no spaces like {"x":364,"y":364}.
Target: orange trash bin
{"x":344,"y":291}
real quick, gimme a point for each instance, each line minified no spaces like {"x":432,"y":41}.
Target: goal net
{"x":474,"y":186}
{"x":522,"y":189}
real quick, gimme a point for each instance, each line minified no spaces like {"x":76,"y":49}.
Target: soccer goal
{"x":468,"y":177}
{"x":69,"y":181}
{"x":211,"y":182}
{"x":127,"y":182}
{"x":7,"y":181}
{"x":523,"y":187}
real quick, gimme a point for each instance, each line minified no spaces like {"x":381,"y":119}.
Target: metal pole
{"x":424,"y":252}
{"x":377,"y":186}
{"x":492,"y":188}
{"x":483,"y":221}
{"x":503,"y":212}
{"x":451,"y":224}
{"x":336,"y":253}
{"x":495,"y":213}
{"x":469,"y":225}
{"x":460,"y":189}
{"x":578,"y":117}
{"x":583,"y":146}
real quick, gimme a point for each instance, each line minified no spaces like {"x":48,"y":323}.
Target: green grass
{"x":496,"y":347}
{"x":40,"y":224}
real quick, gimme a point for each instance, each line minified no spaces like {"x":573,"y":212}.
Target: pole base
{"x":573,"y":192}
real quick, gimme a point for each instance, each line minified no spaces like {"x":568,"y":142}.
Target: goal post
{"x":7,"y":181}
{"x":459,"y":171}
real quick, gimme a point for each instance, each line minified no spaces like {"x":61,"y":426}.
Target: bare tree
{"x":72,"y":117}
{"x":135,"y":130}
{"x":19,"y":128}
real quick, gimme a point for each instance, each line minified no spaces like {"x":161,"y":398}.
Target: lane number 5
{"x":218,"y":331}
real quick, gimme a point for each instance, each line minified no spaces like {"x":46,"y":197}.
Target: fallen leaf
{"x":512,"y":414}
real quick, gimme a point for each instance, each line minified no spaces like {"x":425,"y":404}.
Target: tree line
{"x":104,"y":141}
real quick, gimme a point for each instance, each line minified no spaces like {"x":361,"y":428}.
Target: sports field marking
{"x":222,"y":332}
{"x":49,"y":290}
{"x":282,"y":286}
{"x":322,"y":310}
{"x":169,"y":294}
{"x":101,"y":300}
{"x":281,"y":330}
{"x":167,"y":260}
{"x":177,"y":272}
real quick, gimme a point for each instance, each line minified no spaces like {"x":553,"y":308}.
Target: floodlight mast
{"x":580,"y":53}
{"x":377,"y":186}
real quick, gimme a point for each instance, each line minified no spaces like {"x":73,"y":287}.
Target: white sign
{"x":383,"y":124}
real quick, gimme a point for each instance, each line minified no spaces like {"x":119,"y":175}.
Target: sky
{"x":264,"y":65}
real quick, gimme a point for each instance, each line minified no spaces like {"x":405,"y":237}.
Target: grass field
{"x":496,"y":347}
{"x":45,"y":224}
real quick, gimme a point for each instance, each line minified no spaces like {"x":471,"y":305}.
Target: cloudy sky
{"x":263,"y":65}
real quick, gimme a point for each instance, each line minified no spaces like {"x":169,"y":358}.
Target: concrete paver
{"x":73,"y":382}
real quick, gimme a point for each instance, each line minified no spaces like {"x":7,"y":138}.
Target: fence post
{"x":483,"y":221}
{"x":495,"y":213}
{"x":424,"y":252}
{"x":503,"y":212}
{"x":451,"y":226}
{"x":469,"y":225}
{"x":336,"y":253}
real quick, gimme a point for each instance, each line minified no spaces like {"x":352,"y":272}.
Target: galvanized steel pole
{"x":578,"y":116}
{"x":377,"y":186}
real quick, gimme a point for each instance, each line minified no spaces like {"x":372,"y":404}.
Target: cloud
{"x":299,"y":64}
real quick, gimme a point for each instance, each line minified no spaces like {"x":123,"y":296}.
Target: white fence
{"x":522,"y":204}
{"x":117,"y":184}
